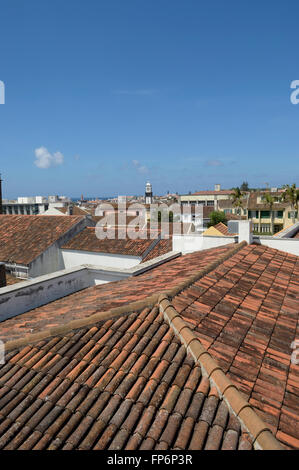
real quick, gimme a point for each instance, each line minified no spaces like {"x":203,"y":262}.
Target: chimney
{"x":2,"y":275}
{"x":1,"y":209}
{"x":217,"y":187}
{"x":245,"y":231}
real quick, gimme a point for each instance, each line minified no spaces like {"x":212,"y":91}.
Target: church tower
{"x":148,"y":193}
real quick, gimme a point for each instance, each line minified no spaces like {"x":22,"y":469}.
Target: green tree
{"x":291,"y":195}
{"x":269,"y":201}
{"x":237,"y":198}
{"x":216,"y":217}
{"x":244,"y":186}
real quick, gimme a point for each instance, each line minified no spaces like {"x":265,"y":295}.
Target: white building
{"x":34,"y":205}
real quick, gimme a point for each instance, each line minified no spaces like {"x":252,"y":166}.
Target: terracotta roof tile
{"x":87,"y":240}
{"x":147,"y":391}
{"x":107,"y":296}
{"x":25,"y":237}
{"x":123,"y":408}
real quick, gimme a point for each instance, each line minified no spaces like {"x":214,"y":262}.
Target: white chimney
{"x":217,"y":187}
{"x":245,"y":231}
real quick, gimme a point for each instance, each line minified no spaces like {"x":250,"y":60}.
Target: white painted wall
{"x":76,"y":258}
{"x":24,"y":296}
{"x":290,"y":245}
{"x":51,"y":260}
{"x":53,"y":211}
{"x":190,"y":243}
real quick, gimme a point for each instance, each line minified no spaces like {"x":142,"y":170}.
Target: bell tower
{"x":148,"y":193}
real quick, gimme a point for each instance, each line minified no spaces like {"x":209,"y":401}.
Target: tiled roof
{"x":222,"y":228}
{"x":87,"y":240}
{"x":76,"y":210}
{"x":246,"y":313}
{"x":126,"y":384}
{"x":106,"y":296}
{"x":253,"y":205}
{"x":222,"y":192}
{"x":242,"y":308}
{"x":161,"y":248}
{"x":25,"y":237}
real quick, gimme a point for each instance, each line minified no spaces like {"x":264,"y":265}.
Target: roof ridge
{"x":131,"y":307}
{"x":260,"y":432}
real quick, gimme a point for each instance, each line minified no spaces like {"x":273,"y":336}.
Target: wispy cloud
{"x":142,"y":169}
{"x":138,"y":92}
{"x":214,"y":163}
{"x":44,"y":159}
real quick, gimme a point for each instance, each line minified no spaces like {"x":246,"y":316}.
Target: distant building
{"x":207,"y":197}
{"x":32,"y":205}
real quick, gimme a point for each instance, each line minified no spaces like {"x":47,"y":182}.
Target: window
{"x":265,"y":214}
{"x":265,"y":228}
{"x":279,"y":214}
{"x":292,"y":214}
{"x":210,"y":203}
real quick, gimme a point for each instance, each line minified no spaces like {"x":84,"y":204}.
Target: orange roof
{"x":24,"y":237}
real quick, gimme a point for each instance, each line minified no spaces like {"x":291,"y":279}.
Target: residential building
{"x":207,"y":198}
{"x":264,"y":218}
{"x":255,"y":208}
{"x":32,"y":205}
{"x":30,"y":244}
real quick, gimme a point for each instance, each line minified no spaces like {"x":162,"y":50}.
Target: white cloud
{"x":45,"y":159}
{"x":214,"y":163}
{"x":142,"y":169}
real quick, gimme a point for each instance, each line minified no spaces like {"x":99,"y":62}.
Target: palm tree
{"x":291,"y":195}
{"x":269,"y":201}
{"x":237,"y":198}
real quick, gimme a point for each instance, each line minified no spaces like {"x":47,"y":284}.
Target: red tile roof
{"x":24,"y":237}
{"x":76,"y":210}
{"x":106,"y":296}
{"x":222,"y":228}
{"x":246,"y":314}
{"x":87,"y":240}
{"x":163,"y":247}
{"x":222,"y":192}
{"x":120,"y":384}
{"x":244,"y":310}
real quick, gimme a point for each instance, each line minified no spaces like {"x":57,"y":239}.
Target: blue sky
{"x":102,"y":95}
